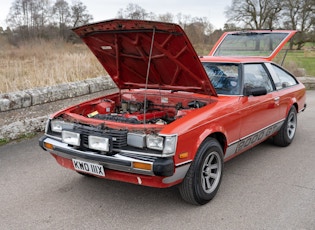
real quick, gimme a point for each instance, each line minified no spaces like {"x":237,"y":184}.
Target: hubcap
{"x":291,"y":126}
{"x":211,"y":172}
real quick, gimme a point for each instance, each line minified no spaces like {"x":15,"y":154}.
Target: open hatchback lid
{"x":128,"y":48}
{"x":264,"y":44}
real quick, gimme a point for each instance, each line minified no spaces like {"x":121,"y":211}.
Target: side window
{"x":255,"y":75}
{"x":224,"y":77}
{"x":283,"y":79}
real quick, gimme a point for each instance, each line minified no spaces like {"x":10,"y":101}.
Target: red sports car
{"x":176,"y":117}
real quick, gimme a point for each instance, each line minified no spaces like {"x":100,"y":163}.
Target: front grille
{"x":118,"y":138}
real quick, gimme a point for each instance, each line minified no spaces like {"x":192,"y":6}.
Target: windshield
{"x":224,"y":77}
{"x":250,"y":44}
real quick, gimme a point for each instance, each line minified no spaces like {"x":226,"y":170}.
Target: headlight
{"x":170,"y":145}
{"x":167,"y":144}
{"x":99,"y":143}
{"x":70,"y":138}
{"x":58,"y":125}
{"x":155,"y":142}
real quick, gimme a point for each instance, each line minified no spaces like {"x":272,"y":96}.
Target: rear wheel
{"x":203,"y":178}
{"x":287,"y":132}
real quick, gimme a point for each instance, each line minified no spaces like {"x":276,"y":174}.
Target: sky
{"x":107,"y":9}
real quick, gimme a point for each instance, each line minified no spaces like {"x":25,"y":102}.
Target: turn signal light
{"x":48,"y":146}
{"x":143,"y":166}
{"x":183,"y":155}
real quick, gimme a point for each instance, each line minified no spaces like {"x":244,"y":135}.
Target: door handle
{"x":277,"y":101}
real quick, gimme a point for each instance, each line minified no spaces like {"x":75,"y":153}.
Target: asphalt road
{"x":267,"y":187}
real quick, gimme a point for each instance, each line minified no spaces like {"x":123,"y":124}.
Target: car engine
{"x":136,"y":108}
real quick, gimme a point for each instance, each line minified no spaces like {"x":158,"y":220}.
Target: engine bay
{"x":136,"y":107}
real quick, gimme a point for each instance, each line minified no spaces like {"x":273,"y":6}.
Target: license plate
{"x":88,"y":167}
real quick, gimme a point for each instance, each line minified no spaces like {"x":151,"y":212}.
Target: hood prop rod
{"x":147,"y":77}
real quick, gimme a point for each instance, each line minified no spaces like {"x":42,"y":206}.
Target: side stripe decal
{"x":252,"y":139}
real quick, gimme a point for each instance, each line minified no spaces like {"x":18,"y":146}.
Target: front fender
{"x":191,"y":141}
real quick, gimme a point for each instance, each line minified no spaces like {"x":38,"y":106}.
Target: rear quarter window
{"x":283,"y":79}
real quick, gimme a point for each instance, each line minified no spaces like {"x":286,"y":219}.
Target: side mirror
{"x":256,"y":91}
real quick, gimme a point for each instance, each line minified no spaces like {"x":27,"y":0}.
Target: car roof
{"x":231,"y":59}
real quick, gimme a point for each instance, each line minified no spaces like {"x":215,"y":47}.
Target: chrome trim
{"x":124,"y":150}
{"x":136,"y":152}
{"x":53,"y":137}
{"x":183,"y":163}
{"x":121,"y":150}
{"x":115,"y":162}
{"x":175,"y":144}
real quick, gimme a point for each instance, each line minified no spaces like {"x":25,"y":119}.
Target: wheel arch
{"x":218,"y":133}
{"x":221,"y":138}
{"x":294,"y":102}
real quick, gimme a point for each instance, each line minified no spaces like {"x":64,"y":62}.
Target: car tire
{"x":203,"y":178}
{"x":287,"y":132}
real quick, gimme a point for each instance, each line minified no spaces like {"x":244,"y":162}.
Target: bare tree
{"x":18,"y":16}
{"x":41,"y":15}
{"x":61,"y":12}
{"x":29,"y":17}
{"x":79,"y":14}
{"x":133,"y":11}
{"x":299,"y":15}
{"x":197,"y":29}
{"x":183,"y":20}
{"x":254,"y":14}
{"x":167,"y":17}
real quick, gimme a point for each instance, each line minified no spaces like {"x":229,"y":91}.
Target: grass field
{"x":303,"y":59}
{"x":41,"y":63}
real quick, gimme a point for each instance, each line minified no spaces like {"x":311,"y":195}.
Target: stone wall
{"x":309,"y":82}
{"x":37,"y":96}
{"x":26,"y":112}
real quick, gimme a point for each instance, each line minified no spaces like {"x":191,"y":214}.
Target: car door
{"x":259,"y":114}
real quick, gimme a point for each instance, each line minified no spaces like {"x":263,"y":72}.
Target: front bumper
{"x":123,"y":162}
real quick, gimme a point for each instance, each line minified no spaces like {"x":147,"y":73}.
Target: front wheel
{"x":287,"y":132}
{"x":203,"y":178}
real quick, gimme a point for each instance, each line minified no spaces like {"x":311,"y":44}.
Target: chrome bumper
{"x":119,"y":161}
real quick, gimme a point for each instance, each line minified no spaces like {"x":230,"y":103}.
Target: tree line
{"x":276,"y":14}
{"x":48,"y":19}
{"x":29,"y":19}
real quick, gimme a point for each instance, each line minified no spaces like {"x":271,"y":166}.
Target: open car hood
{"x":124,"y":49}
{"x":264,"y":44}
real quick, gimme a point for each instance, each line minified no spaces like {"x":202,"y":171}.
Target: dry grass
{"x":42,"y":63}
